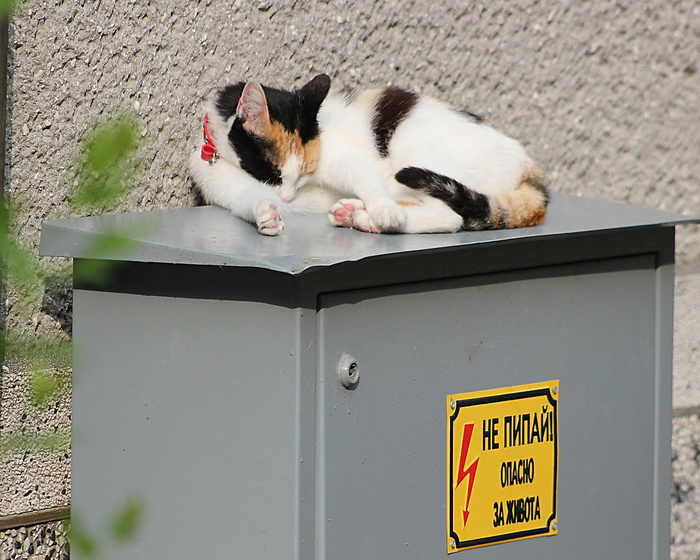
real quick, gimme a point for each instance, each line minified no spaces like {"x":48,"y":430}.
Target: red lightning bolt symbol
{"x":471,"y":471}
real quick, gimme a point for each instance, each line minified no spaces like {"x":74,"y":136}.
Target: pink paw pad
{"x":370,"y":230}
{"x":343,"y":216}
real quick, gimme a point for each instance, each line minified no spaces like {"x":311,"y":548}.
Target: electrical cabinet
{"x":289,"y":397}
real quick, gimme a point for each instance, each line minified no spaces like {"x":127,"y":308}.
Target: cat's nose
{"x":287,"y":193}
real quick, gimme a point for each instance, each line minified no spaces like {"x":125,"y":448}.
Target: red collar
{"x":209,"y":152}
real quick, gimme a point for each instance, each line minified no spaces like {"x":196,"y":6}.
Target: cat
{"x":378,"y":160}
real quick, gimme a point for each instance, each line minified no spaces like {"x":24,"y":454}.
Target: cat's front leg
{"x":228,"y":186}
{"x":268,"y":219}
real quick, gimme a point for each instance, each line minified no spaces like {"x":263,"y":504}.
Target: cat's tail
{"x":523,"y":206}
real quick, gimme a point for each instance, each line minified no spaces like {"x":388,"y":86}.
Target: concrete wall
{"x":604,"y":94}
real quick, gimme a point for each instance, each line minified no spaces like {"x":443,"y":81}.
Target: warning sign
{"x":502,"y":462}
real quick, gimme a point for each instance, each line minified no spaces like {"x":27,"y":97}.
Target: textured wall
{"x":604,"y":93}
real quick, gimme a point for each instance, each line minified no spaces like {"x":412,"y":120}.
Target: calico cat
{"x":380,"y":160}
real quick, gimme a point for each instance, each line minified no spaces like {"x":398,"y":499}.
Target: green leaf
{"x":7,"y":7}
{"x":18,"y":263}
{"x":42,"y":385}
{"x":98,"y":270}
{"x":34,"y":443}
{"x":21,"y":266}
{"x":106,"y":166}
{"x":127,"y":519}
{"x":40,"y":352}
{"x":80,"y":541}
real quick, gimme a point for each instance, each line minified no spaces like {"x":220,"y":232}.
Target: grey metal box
{"x":205,"y":379}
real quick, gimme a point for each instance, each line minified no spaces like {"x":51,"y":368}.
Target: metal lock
{"x":348,"y":371}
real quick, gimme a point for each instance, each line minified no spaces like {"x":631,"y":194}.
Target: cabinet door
{"x":383,"y":442}
{"x":189,"y":406}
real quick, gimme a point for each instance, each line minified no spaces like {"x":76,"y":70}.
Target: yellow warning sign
{"x":502,"y":463}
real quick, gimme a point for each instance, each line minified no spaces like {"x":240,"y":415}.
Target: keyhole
{"x":348,"y":371}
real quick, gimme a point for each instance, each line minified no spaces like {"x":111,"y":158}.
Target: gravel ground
{"x":685,"y":495}
{"x":41,"y":542}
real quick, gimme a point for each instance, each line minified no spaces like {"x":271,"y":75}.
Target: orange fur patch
{"x":312,"y":154}
{"x":526,"y":205}
{"x":283,"y":141}
{"x":287,"y":143}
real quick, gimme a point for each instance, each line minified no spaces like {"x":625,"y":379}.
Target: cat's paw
{"x":342,"y":212}
{"x":362,"y":220}
{"x":268,"y":219}
{"x":387,"y":216}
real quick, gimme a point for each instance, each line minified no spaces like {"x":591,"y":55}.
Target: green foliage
{"x":122,"y":527}
{"x":21,"y":443}
{"x":47,"y":363}
{"x":43,"y":384}
{"x":20,"y":266}
{"x":105,"y":173}
{"x":106,"y":165}
{"x":7,"y":7}
{"x":39,"y":352}
{"x":81,"y":540}
{"x":99,"y":271}
{"x":127,"y":519}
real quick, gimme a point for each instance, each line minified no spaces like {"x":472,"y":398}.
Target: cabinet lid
{"x":209,"y":235}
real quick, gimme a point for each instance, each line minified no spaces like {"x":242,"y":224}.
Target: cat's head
{"x":275,"y":133}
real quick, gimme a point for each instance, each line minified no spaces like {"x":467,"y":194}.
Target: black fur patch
{"x":539,"y":184}
{"x":251,"y":151}
{"x":296,"y":111}
{"x":227,"y":100}
{"x":309,"y":100}
{"x":283,"y":107}
{"x":474,"y":207}
{"x":392,"y":107}
{"x":254,"y":154}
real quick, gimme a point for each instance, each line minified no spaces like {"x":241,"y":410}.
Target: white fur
{"x":434,"y":137}
{"x":354,"y":181}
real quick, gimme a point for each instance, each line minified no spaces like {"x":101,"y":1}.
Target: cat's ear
{"x":252,"y":109}
{"x":313,"y":93}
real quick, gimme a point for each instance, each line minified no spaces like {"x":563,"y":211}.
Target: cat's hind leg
{"x":432,"y":216}
{"x":342,"y":212}
{"x":351,"y":212}
{"x":428,"y":216}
